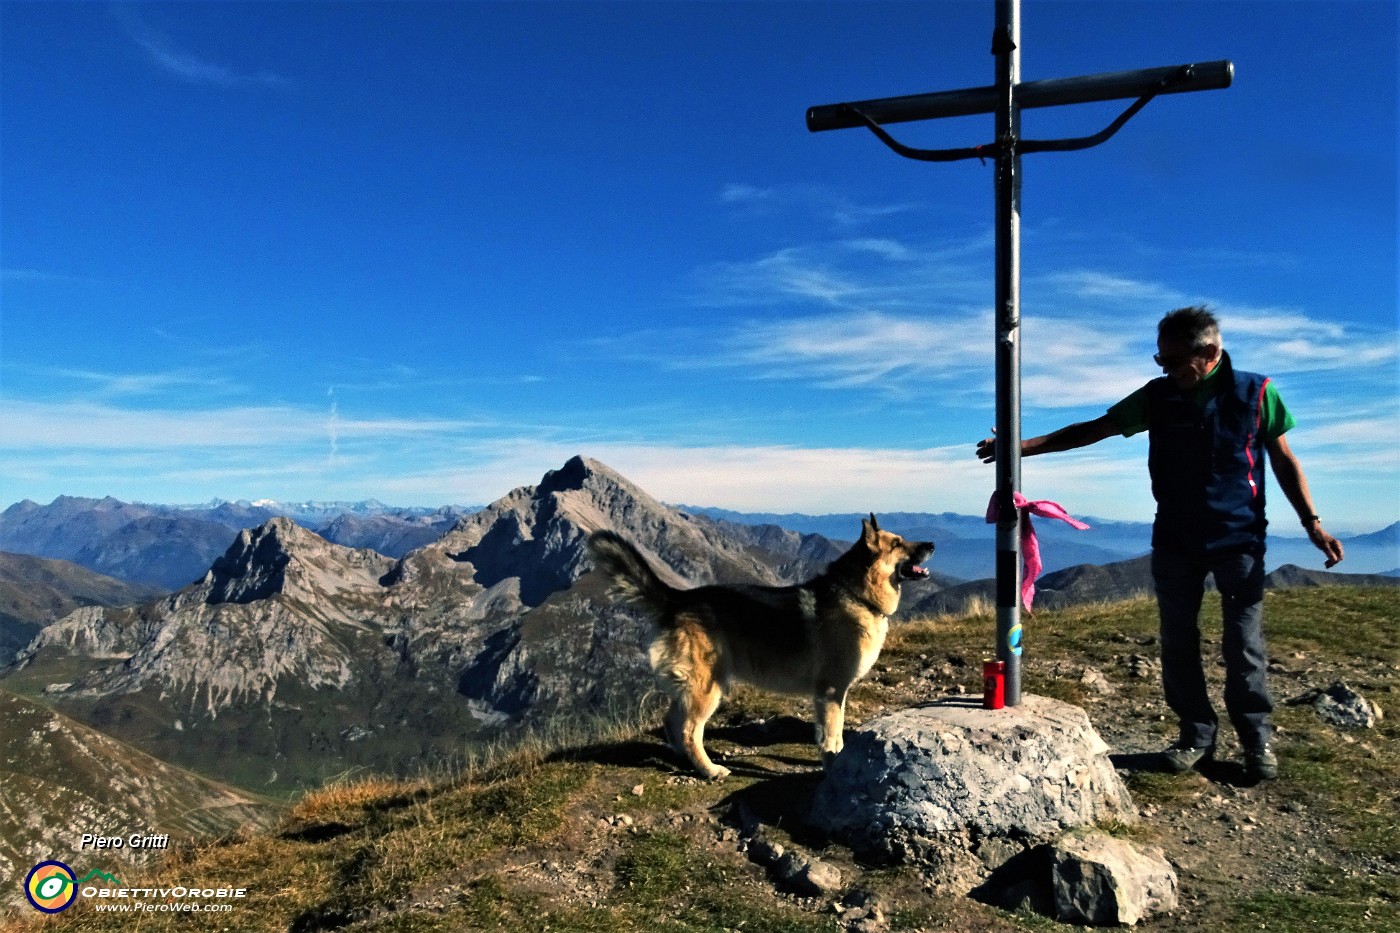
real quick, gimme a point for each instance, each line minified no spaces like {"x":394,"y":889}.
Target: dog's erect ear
{"x":870,"y":532}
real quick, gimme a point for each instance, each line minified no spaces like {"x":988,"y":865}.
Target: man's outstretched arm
{"x":1079,"y":434}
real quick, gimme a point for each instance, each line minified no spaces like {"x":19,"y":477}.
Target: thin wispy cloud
{"x":1296,"y":343}
{"x":114,"y":385}
{"x":1276,"y":323}
{"x":907,"y":320}
{"x":860,"y":349}
{"x":858,"y":274}
{"x":745,"y":194}
{"x":755,"y":477}
{"x":1381,"y":434}
{"x":826,"y":205}
{"x":1100,"y":285}
{"x":1283,"y":340}
{"x":22,"y":275}
{"x":903,"y":319}
{"x":186,"y":65}
{"x":891,"y":250}
{"x":95,"y":425}
{"x":1074,"y":363}
{"x":333,"y":427}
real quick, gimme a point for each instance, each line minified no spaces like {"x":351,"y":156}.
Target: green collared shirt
{"x":1130,"y":415}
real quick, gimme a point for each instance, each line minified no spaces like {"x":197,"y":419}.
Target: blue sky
{"x":425,"y":252}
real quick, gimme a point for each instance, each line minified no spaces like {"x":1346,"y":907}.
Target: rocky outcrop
{"x":260,"y":617}
{"x":538,"y":534}
{"x":959,"y":790}
{"x":1103,"y":881}
{"x":211,"y":656}
{"x":1340,"y":705}
{"x":282,"y":558}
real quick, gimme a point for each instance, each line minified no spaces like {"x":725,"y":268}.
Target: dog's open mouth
{"x":912,"y":571}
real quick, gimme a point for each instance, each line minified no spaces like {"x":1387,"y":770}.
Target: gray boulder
{"x":804,"y":874}
{"x":1102,"y":881}
{"x":808,"y":876}
{"x":1340,"y":705}
{"x":958,"y":790}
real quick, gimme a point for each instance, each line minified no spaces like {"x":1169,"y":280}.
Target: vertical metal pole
{"x":1006,"y":43}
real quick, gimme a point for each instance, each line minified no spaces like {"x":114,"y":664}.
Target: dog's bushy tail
{"x":633,"y":579}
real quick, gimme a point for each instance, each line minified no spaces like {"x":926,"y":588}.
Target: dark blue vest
{"x":1207,"y":464}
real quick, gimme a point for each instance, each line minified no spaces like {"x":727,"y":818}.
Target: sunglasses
{"x":1172,"y":361}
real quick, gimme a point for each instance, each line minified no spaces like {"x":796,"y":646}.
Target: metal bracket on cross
{"x":1006,"y":99}
{"x":1144,"y":85}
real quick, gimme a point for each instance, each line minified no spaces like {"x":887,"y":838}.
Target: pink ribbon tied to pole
{"x":1030,"y":547}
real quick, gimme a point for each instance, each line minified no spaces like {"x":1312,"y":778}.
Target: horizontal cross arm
{"x":1174,"y":79}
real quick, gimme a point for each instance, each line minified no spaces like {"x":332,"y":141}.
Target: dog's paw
{"x":718,"y":773}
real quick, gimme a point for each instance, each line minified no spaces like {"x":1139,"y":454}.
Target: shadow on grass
{"x":1139,"y":761}
{"x":651,"y":750}
{"x":779,"y":730}
{"x":781,"y":800}
{"x":1230,"y":773}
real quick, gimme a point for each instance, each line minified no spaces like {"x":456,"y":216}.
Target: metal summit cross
{"x":1006,"y":99}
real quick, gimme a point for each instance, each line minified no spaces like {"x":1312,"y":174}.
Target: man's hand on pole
{"x":987,"y":448}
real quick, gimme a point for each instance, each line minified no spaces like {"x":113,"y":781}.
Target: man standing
{"x":1209,"y":427}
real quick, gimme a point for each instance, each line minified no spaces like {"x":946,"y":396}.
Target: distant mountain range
{"x":170,"y":546}
{"x":967,"y":544}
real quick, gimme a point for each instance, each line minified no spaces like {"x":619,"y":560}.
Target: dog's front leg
{"x":830,"y":707}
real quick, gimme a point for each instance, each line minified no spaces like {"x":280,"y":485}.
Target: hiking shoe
{"x":1182,"y":758}
{"x":1260,"y":763}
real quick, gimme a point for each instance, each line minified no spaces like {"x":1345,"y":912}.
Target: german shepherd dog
{"x":814,"y":639}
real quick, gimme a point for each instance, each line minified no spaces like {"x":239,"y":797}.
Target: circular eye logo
{"x":51,"y":887}
{"x":1013,"y":639}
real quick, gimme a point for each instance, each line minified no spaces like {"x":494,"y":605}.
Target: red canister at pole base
{"x":993,"y":684}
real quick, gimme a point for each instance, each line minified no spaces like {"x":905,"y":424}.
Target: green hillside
{"x":60,"y":780}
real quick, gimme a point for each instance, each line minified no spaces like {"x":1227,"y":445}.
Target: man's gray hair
{"x":1194,"y":325}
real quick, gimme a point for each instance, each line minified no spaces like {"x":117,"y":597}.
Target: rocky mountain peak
{"x":538,"y":533}
{"x":254,"y":566}
{"x":574,"y":474}
{"x":279,"y":556}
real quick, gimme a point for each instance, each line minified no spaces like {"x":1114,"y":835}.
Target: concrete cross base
{"x":959,"y":791}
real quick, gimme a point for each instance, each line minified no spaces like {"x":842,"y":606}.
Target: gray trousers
{"x":1180,"y":582}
